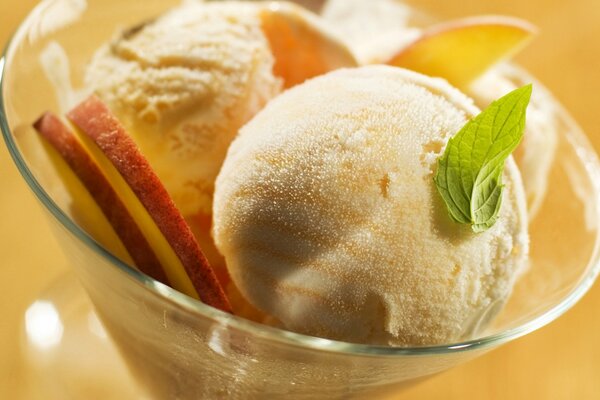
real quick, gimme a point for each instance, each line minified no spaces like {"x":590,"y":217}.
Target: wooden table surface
{"x":560,"y":361}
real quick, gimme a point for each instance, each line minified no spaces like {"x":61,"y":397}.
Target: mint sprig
{"x":469,"y":174}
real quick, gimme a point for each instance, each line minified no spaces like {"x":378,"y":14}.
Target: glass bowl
{"x":177,"y":347}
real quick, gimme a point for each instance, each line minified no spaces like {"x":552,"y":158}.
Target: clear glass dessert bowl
{"x":177,"y":347}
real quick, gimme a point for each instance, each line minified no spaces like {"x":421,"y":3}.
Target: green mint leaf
{"x":469,"y":174}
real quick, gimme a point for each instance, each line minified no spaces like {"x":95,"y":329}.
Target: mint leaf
{"x":469,"y":174}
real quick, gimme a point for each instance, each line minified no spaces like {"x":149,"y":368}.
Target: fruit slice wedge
{"x":69,"y":157}
{"x":147,"y":201}
{"x":301,"y":45}
{"x":462,"y":50}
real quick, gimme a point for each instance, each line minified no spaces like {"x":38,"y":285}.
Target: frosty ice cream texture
{"x":328,"y":218}
{"x":374,"y":29}
{"x":183,"y":85}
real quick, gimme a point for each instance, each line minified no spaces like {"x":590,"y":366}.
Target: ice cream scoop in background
{"x":184,"y":83}
{"x":374,"y":29}
{"x":331,"y":223}
{"x":399,"y":26}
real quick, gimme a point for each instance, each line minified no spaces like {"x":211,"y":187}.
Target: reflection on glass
{"x":95,"y":326}
{"x":43,"y":325}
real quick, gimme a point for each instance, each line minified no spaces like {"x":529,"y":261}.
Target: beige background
{"x":560,"y":361}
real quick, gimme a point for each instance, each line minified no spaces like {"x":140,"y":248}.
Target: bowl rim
{"x":285,"y":337}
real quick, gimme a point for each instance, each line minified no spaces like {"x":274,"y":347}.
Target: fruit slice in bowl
{"x":462,"y":50}
{"x":96,"y":197}
{"x":301,"y":44}
{"x":117,"y":175}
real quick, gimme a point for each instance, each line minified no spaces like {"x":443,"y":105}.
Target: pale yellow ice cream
{"x":375,"y":30}
{"x":183,"y":85}
{"x":329,"y":220}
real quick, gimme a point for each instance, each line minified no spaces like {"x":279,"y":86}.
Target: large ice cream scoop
{"x":184,"y":84}
{"x":328,"y":217}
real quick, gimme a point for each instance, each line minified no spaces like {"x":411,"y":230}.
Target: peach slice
{"x":64,"y":146}
{"x":148,"y":202}
{"x":302,"y":46}
{"x":462,"y":50}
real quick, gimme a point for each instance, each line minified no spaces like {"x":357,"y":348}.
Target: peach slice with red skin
{"x":462,"y":50}
{"x":97,"y":122}
{"x":62,"y":140}
{"x":113,"y":143}
{"x":301,"y":45}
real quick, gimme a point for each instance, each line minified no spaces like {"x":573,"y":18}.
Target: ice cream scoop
{"x":184,"y":84}
{"x":374,"y":29}
{"x":327,"y":215}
